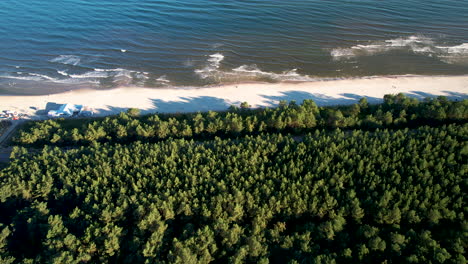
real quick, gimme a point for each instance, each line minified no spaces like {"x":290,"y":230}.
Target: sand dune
{"x":106,"y":102}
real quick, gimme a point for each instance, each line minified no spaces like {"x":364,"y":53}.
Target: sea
{"x":51,"y":46}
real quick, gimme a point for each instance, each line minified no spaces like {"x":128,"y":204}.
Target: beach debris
{"x":11,"y":115}
{"x":69,"y":110}
{"x":66,"y":110}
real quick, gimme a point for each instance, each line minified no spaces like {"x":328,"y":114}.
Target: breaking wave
{"x":213,"y":65}
{"x":416,"y":44}
{"x":42,"y":76}
{"x":454,"y":54}
{"x":112,"y":76}
{"x":23,"y":77}
{"x":29,"y":77}
{"x":67,"y":59}
{"x":252,"y":72}
{"x":163,"y":79}
{"x":92,"y":74}
{"x":116,"y":76}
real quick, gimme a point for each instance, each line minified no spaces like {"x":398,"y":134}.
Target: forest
{"x":302,"y":184}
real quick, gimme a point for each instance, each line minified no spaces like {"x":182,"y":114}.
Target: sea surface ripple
{"x":56,"y":45}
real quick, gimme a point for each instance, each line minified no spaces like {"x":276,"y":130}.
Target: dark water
{"x":54,"y":45}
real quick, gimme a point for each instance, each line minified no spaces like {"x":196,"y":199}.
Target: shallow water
{"x":55,"y":45}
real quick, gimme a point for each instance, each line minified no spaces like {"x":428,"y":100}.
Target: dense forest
{"x":330,"y":185}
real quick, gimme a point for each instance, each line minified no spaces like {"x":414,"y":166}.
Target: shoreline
{"x":257,"y":94}
{"x":80,"y":87}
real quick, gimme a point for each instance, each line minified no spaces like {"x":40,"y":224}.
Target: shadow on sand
{"x":195,"y":104}
{"x":207,"y":103}
{"x":319,"y":99}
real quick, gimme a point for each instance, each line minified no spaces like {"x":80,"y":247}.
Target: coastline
{"x":257,"y":94}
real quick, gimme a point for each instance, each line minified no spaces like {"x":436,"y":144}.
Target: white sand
{"x":335,"y":92}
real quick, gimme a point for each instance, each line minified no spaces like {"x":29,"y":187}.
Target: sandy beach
{"x":107,"y":102}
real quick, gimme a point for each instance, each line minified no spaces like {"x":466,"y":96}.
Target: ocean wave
{"x":255,"y":72}
{"x":62,"y":73}
{"x":87,"y":75}
{"x":415,"y":44}
{"x":45,"y":77}
{"x":214,"y":62}
{"x":163,"y":79}
{"x":454,"y":54}
{"x":117,"y":76}
{"x":245,"y":72}
{"x":22,"y":77}
{"x":410,"y":41}
{"x":67,"y":59}
{"x":141,"y":75}
{"x":29,"y":77}
{"x":459,"y":49}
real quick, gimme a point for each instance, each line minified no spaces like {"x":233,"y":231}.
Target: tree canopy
{"x":364,"y":193}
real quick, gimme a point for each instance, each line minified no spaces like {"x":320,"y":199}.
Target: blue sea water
{"x":55,"y":45}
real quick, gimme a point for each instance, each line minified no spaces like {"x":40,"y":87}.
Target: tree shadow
{"x":456,"y":95}
{"x":209,"y":103}
{"x":109,"y":110}
{"x":319,"y":99}
{"x":356,"y":97}
{"x":183,"y":105}
{"x":192,"y":104}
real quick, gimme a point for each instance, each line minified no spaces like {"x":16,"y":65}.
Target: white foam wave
{"x":88,"y":75}
{"x":29,"y":77}
{"x":216,"y":58}
{"x":427,"y":50}
{"x":253,"y":71}
{"x":413,"y":43}
{"x":416,"y":44}
{"x":109,"y":70}
{"x":123,"y":73}
{"x":163,"y":79}
{"x":123,"y":50}
{"x":245,"y":72}
{"x":117,"y":76}
{"x":411,"y":40}
{"x":67,"y":59}
{"x":341,"y":52}
{"x":64,"y":73}
{"x":214,"y":63}
{"x":141,"y":75}
{"x":26,"y":78}
{"x":42,"y":76}
{"x":459,"y":49}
